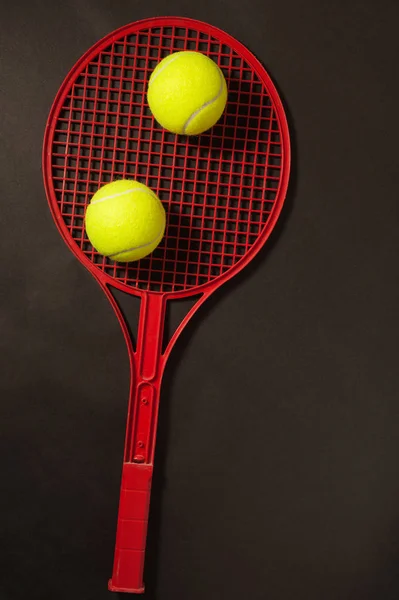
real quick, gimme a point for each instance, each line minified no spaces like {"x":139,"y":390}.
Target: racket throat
{"x":146,"y":382}
{"x":150,"y":335}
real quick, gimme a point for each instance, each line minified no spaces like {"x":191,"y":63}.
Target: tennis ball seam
{"x":172,"y":57}
{"x":134,"y":248}
{"x":195,"y":113}
{"x":129,"y":191}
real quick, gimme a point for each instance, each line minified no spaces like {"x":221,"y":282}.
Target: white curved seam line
{"x":129,"y":191}
{"x":154,"y":76}
{"x":187,"y":123}
{"x":136,"y":247}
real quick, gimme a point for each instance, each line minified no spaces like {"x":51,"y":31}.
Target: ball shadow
{"x":242,"y":114}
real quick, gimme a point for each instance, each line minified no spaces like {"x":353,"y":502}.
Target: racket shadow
{"x":152,"y":569}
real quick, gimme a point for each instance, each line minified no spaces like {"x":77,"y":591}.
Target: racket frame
{"x":148,"y":359}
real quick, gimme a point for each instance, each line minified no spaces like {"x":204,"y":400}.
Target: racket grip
{"x":131,"y":530}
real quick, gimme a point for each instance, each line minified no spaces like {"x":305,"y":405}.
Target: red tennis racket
{"x":222,"y":192}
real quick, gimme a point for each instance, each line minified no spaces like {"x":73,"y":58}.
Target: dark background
{"x":277,"y":466}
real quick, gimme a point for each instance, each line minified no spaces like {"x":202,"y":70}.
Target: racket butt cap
{"x":116,"y":588}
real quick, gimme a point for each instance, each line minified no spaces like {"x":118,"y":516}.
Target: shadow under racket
{"x":177,"y":310}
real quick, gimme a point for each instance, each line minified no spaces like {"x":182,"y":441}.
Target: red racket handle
{"x":132,"y":529}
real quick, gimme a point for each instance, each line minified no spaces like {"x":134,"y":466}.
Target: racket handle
{"x":131,"y":530}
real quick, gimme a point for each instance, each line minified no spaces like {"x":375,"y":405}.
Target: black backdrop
{"x":278,"y":448}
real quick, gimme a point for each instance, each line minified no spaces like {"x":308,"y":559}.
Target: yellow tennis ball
{"x":187,"y":93}
{"x":125,"y":220}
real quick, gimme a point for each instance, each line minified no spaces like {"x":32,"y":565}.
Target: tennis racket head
{"x":222,"y":191}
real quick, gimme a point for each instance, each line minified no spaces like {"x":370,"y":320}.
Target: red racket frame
{"x":148,"y":359}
